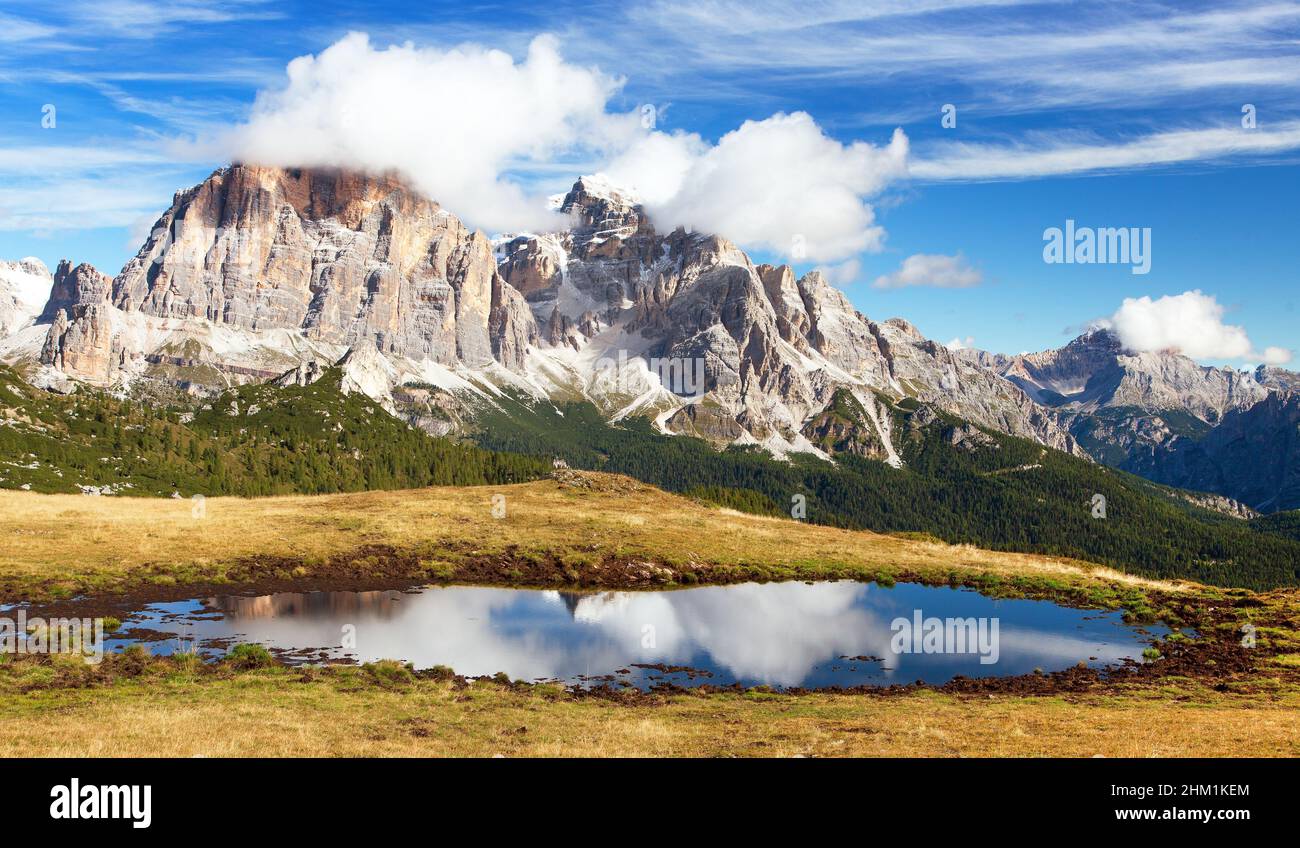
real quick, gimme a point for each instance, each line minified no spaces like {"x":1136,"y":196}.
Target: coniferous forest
{"x":255,"y":440}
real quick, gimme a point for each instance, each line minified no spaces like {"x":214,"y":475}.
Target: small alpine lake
{"x":788,"y":634}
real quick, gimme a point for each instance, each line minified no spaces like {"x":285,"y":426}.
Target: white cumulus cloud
{"x":931,"y":269}
{"x":1190,"y":323}
{"x":843,"y":274}
{"x":477,"y":131}
{"x":1274,"y":355}
{"x":779,"y":184}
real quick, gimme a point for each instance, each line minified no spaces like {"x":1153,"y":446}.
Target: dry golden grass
{"x":60,"y":544}
{"x":273,"y":714}
{"x":76,"y":543}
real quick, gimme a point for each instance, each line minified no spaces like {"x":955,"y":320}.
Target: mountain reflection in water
{"x":778,"y":634}
{"x":287,"y":604}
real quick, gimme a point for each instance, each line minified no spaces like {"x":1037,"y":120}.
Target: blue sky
{"x":1110,"y":114}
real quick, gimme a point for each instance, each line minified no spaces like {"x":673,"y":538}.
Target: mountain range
{"x":279,"y":276}
{"x":1164,"y":417}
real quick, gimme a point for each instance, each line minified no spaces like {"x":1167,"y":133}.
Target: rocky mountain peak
{"x":599,"y":210}
{"x":79,"y":341}
{"x":75,"y":286}
{"x":27,"y":265}
{"x":1095,"y":371}
{"x":595,"y":197}
{"x":905,"y":327}
{"x":340,"y":256}
{"x":1280,"y":379}
{"x":1162,"y":415}
{"x":1097,"y":338}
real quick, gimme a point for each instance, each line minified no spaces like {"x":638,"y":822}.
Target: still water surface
{"x":776,"y":634}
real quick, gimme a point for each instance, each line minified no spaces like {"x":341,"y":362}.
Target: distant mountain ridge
{"x":1094,"y":371}
{"x":1160,"y":415}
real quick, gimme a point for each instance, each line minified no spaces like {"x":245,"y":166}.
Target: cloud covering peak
{"x":1190,"y":323}
{"x":478,"y":131}
{"x":452,"y":122}
{"x":779,"y":184}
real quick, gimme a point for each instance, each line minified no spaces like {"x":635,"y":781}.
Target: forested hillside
{"x":1279,"y":523}
{"x":1015,"y":496}
{"x":255,"y":440}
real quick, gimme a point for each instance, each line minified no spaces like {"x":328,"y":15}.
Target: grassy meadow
{"x":580,"y":530}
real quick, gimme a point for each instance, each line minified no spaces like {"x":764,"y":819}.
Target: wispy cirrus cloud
{"x":49,"y":158}
{"x":142,"y":19}
{"x":86,"y":200}
{"x":15,"y":29}
{"x":1046,"y":154}
{"x":746,"y":18}
{"x":1012,"y":59}
{"x":48,"y":188}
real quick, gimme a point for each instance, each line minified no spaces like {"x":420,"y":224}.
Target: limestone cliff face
{"x":74,"y":286}
{"x":257,"y":270}
{"x":774,"y":346}
{"x":510,"y":325}
{"x":79,"y":341}
{"x":345,"y":257}
{"x":81,"y":346}
{"x":1252,"y":456}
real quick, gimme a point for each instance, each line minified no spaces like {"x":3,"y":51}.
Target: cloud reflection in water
{"x":780,"y":634}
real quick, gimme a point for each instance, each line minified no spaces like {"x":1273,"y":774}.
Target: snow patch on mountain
{"x":24,"y":288}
